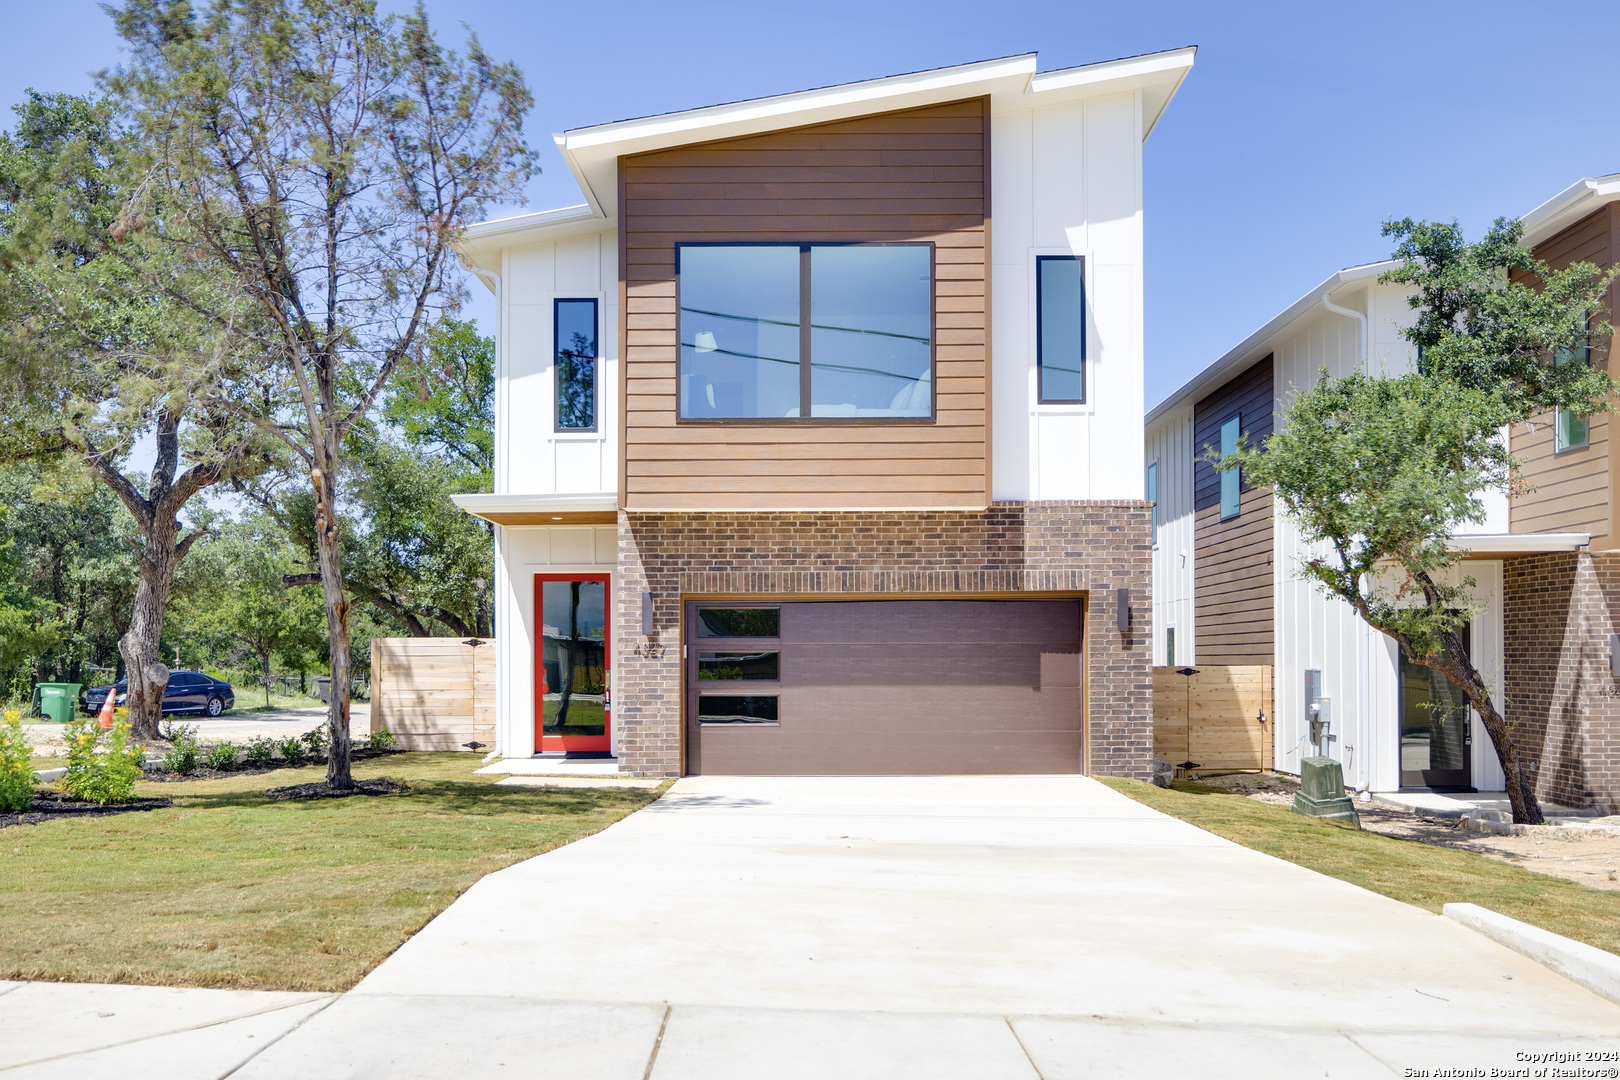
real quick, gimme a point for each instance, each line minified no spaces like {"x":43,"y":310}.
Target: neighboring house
{"x":1227,"y":587}
{"x":818,"y":437}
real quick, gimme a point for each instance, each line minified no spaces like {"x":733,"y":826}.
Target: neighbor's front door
{"x":572,"y":663}
{"x":1436,"y":745}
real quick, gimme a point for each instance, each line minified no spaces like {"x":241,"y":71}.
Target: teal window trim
{"x":1570,"y":429}
{"x":1231,"y":479}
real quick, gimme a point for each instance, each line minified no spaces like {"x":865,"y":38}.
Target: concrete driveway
{"x":984,"y":927}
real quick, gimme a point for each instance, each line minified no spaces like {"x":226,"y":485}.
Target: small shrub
{"x":184,"y":752}
{"x":96,"y":775}
{"x":293,"y":750}
{"x":314,"y":741}
{"x":16,"y":774}
{"x":381,"y":739}
{"x":261,"y":751}
{"x":221,"y":756}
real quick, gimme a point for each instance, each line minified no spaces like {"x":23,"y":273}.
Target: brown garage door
{"x":883,"y":687}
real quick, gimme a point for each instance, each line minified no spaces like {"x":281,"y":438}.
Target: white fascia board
{"x":1253,"y":347}
{"x":501,"y":503}
{"x":1484,"y":545}
{"x":481,"y":244}
{"x":1569,"y":206}
{"x":1160,"y":74}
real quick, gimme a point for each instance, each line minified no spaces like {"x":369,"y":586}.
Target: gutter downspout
{"x":1363,"y":764}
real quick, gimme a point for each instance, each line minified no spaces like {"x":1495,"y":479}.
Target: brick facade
{"x":1059,"y":547}
{"x":1560,"y":610}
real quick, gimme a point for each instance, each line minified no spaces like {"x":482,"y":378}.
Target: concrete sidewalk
{"x":1037,"y":928}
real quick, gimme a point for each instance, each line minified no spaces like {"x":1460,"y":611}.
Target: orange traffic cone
{"x":106,"y":717}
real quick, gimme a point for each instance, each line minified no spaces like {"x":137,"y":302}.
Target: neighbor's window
{"x":1060,"y":318}
{"x":806,"y":331}
{"x":1170,"y":647}
{"x":1569,"y":428}
{"x":574,"y":326}
{"x":1231,"y":479}
{"x":1153,"y":496}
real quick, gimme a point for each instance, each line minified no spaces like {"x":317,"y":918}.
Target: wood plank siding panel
{"x":1232,"y":571}
{"x":915,"y":175}
{"x":1574,"y":489}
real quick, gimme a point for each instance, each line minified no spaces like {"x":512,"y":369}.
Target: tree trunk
{"x":329,"y":552}
{"x":148,"y":675}
{"x":1456,"y":665}
{"x":264,"y":665}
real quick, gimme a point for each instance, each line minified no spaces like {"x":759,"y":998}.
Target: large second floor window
{"x":574,"y":326}
{"x":806,"y":331}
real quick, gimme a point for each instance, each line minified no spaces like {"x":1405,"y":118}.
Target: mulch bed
{"x":53,"y":806}
{"x":381,"y":785}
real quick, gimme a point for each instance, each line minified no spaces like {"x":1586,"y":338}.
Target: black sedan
{"x":187,"y":692}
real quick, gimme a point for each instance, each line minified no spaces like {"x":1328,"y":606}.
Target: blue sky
{"x":1301,"y":128}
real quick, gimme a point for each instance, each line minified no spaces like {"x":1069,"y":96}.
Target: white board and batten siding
{"x":1066,"y":179}
{"x":531,"y":456}
{"x":1170,"y":448}
{"x":521,"y":552}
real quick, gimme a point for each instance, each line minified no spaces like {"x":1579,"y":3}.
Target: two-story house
{"x":818,"y":435}
{"x":1228,"y":587}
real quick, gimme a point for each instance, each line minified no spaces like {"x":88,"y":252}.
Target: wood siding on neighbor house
{"x":1574,"y":488}
{"x":1232,"y":582}
{"x":916,"y":175}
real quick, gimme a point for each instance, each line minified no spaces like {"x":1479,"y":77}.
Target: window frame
{"x":806,"y":361}
{"x":1558,"y":414}
{"x":1085,"y":334}
{"x":1151,"y":482}
{"x":556,"y":369}
{"x":1236,"y":474}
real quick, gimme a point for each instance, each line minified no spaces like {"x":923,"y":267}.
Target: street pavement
{"x":1039,"y":928}
{"x":237,"y":726}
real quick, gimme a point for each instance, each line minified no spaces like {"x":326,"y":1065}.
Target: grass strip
{"x":231,"y":889}
{"x":1415,"y":873}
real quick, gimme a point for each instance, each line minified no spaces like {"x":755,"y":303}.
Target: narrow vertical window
{"x":1153,"y":496}
{"x":1231,"y":479}
{"x":1060,"y":320}
{"x":1569,"y":428}
{"x":574,"y":327}
{"x":1170,"y":647}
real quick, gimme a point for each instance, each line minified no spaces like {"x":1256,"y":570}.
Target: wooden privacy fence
{"x":434,"y":693}
{"x":1224,"y":706}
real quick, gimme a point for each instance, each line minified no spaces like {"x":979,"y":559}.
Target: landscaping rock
{"x":1163,"y":772}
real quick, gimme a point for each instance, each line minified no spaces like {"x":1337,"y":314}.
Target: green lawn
{"x":1415,"y":873}
{"x":230,"y":889}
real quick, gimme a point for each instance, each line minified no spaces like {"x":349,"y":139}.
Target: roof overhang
{"x":597,"y":508}
{"x":1504,"y":545}
{"x":1569,"y":206}
{"x":592,"y":153}
{"x":1257,"y":344}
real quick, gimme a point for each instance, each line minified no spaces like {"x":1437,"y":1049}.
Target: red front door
{"x":573,"y":661}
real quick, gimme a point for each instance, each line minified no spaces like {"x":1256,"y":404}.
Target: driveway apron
{"x":1029,"y":927}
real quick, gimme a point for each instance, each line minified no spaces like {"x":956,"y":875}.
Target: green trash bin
{"x":57,"y":701}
